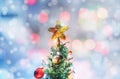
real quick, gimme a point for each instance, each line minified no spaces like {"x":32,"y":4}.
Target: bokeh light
{"x":77,"y":45}
{"x":102,"y":48}
{"x":24,"y":63}
{"x":35,"y":38}
{"x":30,"y":2}
{"x":43,"y":17}
{"x":88,"y":18}
{"x":84,"y":70}
{"x":65,"y":16}
{"x":102,"y":13}
{"x":83,"y":13}
{"x":90,"y":44}
{"x":4,"y":74}
{"x":107,"y":30}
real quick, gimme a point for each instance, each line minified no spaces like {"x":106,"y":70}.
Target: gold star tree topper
{"x":58,"y":32}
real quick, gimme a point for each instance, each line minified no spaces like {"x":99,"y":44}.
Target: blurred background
{"x":94,"y":36}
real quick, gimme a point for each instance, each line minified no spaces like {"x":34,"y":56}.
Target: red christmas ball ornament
{"x":39,"y":73}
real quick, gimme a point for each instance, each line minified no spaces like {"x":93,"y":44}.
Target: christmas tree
{"x":59,"y":65}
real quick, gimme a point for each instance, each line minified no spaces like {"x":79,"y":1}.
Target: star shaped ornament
{"x":58,"y":32}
